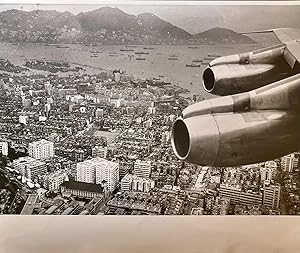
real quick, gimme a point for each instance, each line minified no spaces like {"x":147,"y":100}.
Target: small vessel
{"x":193,"y":65}
{"x":214,"y":55}
{"x":193,"y":47}
{"x":62,"y":47}
{"x":140,"y":59}
{"x":126,"y":50}
{"x":173,"y":58}
{"x":197,"y":60}
{"x":141,"y":52}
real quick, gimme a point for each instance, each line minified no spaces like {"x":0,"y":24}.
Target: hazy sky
{"x":194,"y":18}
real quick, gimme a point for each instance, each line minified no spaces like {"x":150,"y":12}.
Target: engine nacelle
{"x":239,"y":129}
{"x":236,"y":138}
{"x":244,"y":72}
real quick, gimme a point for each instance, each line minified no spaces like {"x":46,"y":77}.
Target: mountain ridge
{"x":105,"y":25}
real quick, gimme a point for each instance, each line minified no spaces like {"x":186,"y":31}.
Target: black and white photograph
{"x":149,"y":109}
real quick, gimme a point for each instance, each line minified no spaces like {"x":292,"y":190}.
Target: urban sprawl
{"x":83,"y":144}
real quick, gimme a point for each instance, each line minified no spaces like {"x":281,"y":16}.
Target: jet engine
{"x":244,"y":72}
{"x":239,"y":129}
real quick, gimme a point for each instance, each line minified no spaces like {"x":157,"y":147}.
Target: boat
{"x":94,"y":55}
{"x":149,"y":48}
{"x":126,"y":50}
{"x":173,"y":58}
{"x":214,"y":55}
{"x":62,"y":47}
{"x":140,"y":59}
{"x":193,"y":65}
{"x":193,"y":47}
{"x":197,"y":60}
{"x":141,"y":52}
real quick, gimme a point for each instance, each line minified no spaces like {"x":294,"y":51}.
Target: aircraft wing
{"x":291,"y":38}
{"x":286,"y":34}
{"x":283,"y":34}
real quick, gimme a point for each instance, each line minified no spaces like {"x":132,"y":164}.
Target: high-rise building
{"x":124,"y":168}
{"x":30,"y":167}
{"x":142,"y":168}
{"x":52,"y":181}
{"x":4,"y":148}
{"x":135,"y":183}
{"x":41,"y":149}
{"x":268,"y":172}
{"x":271,"y":196}
{"x":289,"y":162}
{"x":237,"y":196}
{"x":97,"y":170}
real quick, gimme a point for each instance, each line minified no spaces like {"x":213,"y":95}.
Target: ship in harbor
{"x":193,"y":65}
{"x":95,"y":52}
{"x":126,"y":50}
{"x":197,"y":60}
{"x":61,"y":46}
{"x":214,"y":55}
{"x":141,"y":52}
{"x":140,"y":59}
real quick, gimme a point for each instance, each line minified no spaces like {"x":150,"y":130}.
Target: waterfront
{"x":157,"y":63}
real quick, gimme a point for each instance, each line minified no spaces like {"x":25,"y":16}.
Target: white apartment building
{"x":41,"y":150}
{"x":30,"y":167}
{"x":52,"y":181}
{"x":98,"y":170}
{"x":142,"y":168}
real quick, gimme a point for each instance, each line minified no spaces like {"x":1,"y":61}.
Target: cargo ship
{"x":141,"y":52}
{"x":193,"y":65}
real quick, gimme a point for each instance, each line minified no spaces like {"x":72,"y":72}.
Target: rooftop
{"x":74,"y":185}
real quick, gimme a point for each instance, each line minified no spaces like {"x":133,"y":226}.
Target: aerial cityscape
{"x":87,"y":107}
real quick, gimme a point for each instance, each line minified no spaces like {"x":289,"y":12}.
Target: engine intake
{"x":244,"y":72}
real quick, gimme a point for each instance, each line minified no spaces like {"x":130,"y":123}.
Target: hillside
{"x":105,"y":25}
{"x":220,"y":35}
